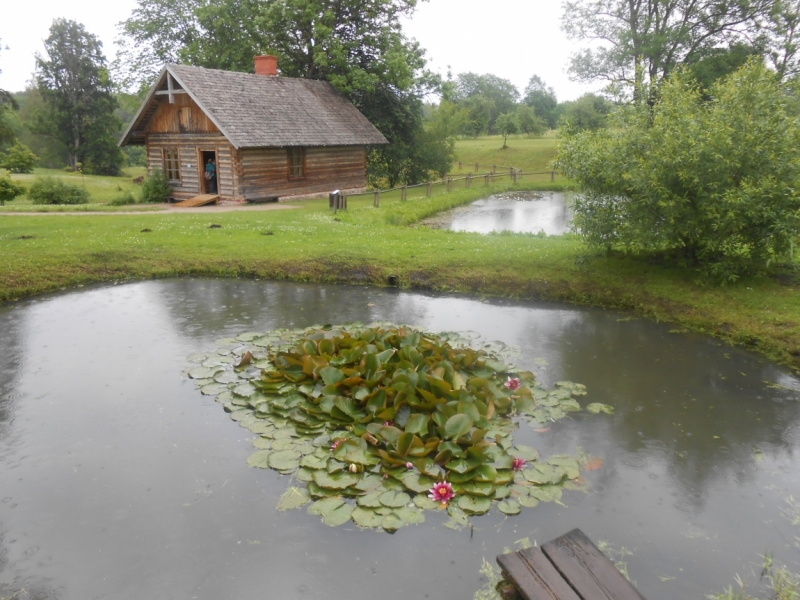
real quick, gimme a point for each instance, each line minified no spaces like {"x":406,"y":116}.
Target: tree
{"x":75,"y":86}
{"x":485,"y":93}
{"x":529,"y":121}
{"x":780,"y":34}
{"x":715,"y":183}
{"x":717,"y":63}
{"x":9,"y":190}
{"x":7,"y":104}
{"x":18,"y":159}
{"x":590,"y":111}
{"x":478,"y":111}
{"x":506,"y":125}
{"x":642,"y":41}
{"x":543,"y":100}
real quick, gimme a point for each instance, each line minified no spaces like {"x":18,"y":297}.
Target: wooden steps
{"x":200,"y":200}
{"x":568,"y":568}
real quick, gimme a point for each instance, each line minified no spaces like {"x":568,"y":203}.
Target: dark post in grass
{"x":459,"y":165}
{"x":428,"y":189}
{"x":469,"y":180}
{"x":486,"y":179}
{"x":552,"y":176}
{"x":476,"y":167}
{"x":376,"y":200}
{"x":403,"y":191}
{"x":494,"y":168}
{"x":449,"y":184}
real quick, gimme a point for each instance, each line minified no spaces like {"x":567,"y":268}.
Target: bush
{"x":123,"y":199}
{"x":9,"y":190}
{"x":49,"y":190}
{"x":714,"y":183}
{"x":18,"y":159}
{"x":156,"y":187}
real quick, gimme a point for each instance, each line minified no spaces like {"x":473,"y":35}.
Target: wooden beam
{"x":171,"y":89}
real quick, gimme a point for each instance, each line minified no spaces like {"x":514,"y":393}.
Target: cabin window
{"x":297,"y":163}
{"x":172,"y":165}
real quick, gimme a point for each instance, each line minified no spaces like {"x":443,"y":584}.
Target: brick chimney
{"x":266,"y":65}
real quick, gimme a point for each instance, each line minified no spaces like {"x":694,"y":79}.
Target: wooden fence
{"x":498,"y":172}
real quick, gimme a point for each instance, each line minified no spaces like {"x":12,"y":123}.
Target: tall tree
{"x":7,"y":104}
{"x":781,"y":36}
{"x":74,"y":83}
{"x":642,"y":41}
{"x":542,"y":99}
{"x":494,"y":91}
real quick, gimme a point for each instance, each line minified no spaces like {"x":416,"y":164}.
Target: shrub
{"x":49,"y":190}
{"x":156,"y":187}
{"x":18,"y":159}
{"x":714,"y":183}
{"x":123,"y":199}
{"x":9,"y":190}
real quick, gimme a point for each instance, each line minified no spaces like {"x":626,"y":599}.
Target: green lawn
{"x":101,"y":189}
{"x":366,"y":245}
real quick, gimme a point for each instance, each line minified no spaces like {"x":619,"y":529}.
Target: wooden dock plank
{"x":589,"y":572}
{"x":535,"y":576}
{"x":198,"y":201}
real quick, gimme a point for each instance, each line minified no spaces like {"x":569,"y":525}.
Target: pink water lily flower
{"x":513,"y":383}
{"x":409,"y":465}
{"x":388,"y":423}
{"x":335,"y":444}
{"x":519,"y":464}
{"x":442,"y":492}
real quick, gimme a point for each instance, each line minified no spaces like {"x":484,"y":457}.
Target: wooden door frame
{"x":202,"y":168}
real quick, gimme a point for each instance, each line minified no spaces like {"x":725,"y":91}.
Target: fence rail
{"x":514,"y":174}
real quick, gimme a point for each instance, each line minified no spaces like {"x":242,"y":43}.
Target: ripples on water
{"x":520,"y":212}
{"x":119,"y":480}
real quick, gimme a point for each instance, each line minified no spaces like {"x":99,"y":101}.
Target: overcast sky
{"x":513,"y":39}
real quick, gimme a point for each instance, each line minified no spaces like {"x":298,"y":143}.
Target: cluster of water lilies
{"x":382,"y":422}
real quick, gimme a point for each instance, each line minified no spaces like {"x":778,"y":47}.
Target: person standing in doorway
{"x":211,"y":176}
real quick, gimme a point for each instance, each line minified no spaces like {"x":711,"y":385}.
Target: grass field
{"x":367,"y":245}
{"x":101,"y":189}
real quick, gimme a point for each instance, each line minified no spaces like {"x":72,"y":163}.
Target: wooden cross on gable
{"x":171,"y":89}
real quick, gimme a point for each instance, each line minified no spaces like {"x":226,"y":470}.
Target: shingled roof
{"x":258,"y":111}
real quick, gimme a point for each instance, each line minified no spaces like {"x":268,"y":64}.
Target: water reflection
{"x":520,"y":212}
{"x":119,"y":480}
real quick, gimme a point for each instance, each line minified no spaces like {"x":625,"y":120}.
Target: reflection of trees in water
{"x":202,"y":307}
{"x":11,"y":358}
{"x":678,"y":399}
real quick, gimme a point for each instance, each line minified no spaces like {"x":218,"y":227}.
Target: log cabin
{"x":271,"y":137}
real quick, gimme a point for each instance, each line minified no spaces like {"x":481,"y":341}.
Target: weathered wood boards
{"x":201,"y":200}
{"x":569,"y":568}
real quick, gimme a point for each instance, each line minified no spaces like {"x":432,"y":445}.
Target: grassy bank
{"x":101,"y":189}
{"x":365,"y":245}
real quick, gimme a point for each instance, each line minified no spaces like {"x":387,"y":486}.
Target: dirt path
{"x":167,"y":211}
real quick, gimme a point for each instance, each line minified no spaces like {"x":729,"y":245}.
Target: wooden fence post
{"x":486,"y":179}
{"x":449,"y":184}
{"x":514,"y":177}
{"x":459,"y":165}
{"x":469,"y":180}
{"x":511,"y":170}
{"x":476,"y":167}
{"x":403,"y":191}
{"x":344,"y":201}
{"x":494,"y":168}
{"x":428,"y":190}
{"x":376,"y":200}
{"x":552,"y":176}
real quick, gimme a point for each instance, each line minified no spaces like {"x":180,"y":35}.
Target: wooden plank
{"x":535,"y":576}
{"x":589,"y":572}
{"x":198,"y":201}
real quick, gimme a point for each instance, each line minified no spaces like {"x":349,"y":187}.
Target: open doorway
{"x":210,"y":172}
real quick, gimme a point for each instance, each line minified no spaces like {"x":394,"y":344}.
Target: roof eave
{"x":124,"y":139}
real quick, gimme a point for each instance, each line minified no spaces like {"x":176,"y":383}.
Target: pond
{"x":520,"y":212}
{"x":118,"y":479}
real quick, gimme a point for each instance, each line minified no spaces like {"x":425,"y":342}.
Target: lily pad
{"x":597,"y":407}
{"x":212,"y":389}
{"x":339,"y":515}
{"x":335,"y":481}
{"x":391,"y":522}
{"x":259,"y":459}
{"x":425,"y":503}
{"x":392,"y":499}
{"x":324,"y":506}
{"x":509,"y":507}
{"x":474,"y":505}
{"x":364,"y":517}
{"x":284,"y":460}
{"x":294,"y":497}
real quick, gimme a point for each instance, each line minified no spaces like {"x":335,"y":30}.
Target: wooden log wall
{"x":265,"y":171}
{"x":189,"y":147}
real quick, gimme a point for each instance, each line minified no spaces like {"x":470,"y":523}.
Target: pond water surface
{"x":520,"y":212}
{"x":118,"y":479}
